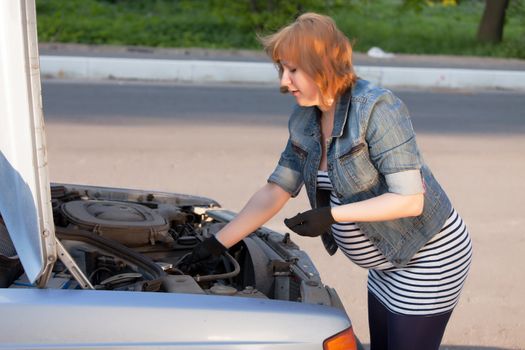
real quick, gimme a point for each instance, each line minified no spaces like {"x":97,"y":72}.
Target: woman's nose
{"x":285,"y":79}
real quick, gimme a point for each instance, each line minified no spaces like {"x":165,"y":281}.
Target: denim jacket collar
{"x":342,"y":111}
{"x":313,"y":114}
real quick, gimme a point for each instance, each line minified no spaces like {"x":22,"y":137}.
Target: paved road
{"x":434,"y":112}
{"x":223,"y":141}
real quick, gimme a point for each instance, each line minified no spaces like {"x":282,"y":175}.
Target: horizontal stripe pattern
{"x":431,"y":282}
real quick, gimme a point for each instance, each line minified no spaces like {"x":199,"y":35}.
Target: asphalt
{"x":244,"y":66}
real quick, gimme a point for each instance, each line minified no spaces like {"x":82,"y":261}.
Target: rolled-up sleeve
{"x":405,"y":182}
{"x":392,"y":146}
{"x":288,"y":173}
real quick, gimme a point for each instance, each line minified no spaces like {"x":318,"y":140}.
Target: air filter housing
{"x":128,"y":223}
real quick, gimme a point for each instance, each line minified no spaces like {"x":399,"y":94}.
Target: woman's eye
{"x":293,"y":70}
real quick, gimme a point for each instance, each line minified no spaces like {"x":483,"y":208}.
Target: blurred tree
{"x":491,"y":26}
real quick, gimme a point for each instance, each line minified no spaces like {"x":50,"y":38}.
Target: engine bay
{"x":132,"y":240}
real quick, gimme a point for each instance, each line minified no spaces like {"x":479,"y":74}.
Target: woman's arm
{"x":388,"y":206}
{"x":261,"y":207}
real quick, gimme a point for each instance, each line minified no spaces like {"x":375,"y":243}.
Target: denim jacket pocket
{"x":357,"y":167}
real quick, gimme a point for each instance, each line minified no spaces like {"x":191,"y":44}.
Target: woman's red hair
{"x":315,"y":44}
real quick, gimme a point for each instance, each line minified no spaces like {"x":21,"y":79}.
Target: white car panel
{"x":138,"y":320}
{"x":25,"y":203}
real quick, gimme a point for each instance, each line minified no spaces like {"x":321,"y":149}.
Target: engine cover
{"x":128,"y":223}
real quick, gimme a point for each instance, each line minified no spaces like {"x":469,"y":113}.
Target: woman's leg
{"x":409,"y":332}
{"x":391,"y":331}
{"x":377,"y":323}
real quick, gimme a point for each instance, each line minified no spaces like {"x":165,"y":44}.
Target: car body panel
{"x":25,"y":203}
{"x":112,"y":319}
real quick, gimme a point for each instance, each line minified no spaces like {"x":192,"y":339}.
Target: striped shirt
{"x":430,"y":283}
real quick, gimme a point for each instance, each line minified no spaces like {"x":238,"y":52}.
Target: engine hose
{"x":152,"y":270}
{"x":235,"y":272}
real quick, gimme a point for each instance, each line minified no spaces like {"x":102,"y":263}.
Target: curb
{"x":206,"y":71}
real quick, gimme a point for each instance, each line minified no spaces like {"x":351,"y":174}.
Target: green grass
{"x":435,"y":30}
{"x":229,"y":24}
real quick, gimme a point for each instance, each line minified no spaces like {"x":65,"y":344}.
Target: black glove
{"x":311,"y":223}
{"x":207,"y":249}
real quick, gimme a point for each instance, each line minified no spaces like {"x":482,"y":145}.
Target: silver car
{"x":86,"y":267}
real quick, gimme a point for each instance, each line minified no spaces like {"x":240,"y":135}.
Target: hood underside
{"x":25,"y":203}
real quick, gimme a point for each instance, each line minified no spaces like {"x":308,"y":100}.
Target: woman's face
{"x":300,"y":85}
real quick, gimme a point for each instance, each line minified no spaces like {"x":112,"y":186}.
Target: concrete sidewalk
{"x":243,"y":66}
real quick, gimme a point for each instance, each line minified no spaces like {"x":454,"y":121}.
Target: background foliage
{"x":401,"y":26}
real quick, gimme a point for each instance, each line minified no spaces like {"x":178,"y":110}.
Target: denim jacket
{"x":372,"y":138}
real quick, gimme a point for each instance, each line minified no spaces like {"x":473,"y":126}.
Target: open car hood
{"x":25,"y":199}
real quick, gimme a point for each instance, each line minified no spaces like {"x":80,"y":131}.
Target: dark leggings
{"x":390,"y":331}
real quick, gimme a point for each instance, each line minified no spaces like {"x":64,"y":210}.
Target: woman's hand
{"x":207,"y":249}
{"x":311,"y":223}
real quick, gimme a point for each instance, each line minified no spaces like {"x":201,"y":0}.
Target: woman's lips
{"x":295,"y":92}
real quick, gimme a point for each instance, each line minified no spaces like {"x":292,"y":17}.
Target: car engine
{"x":134,"y":240}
